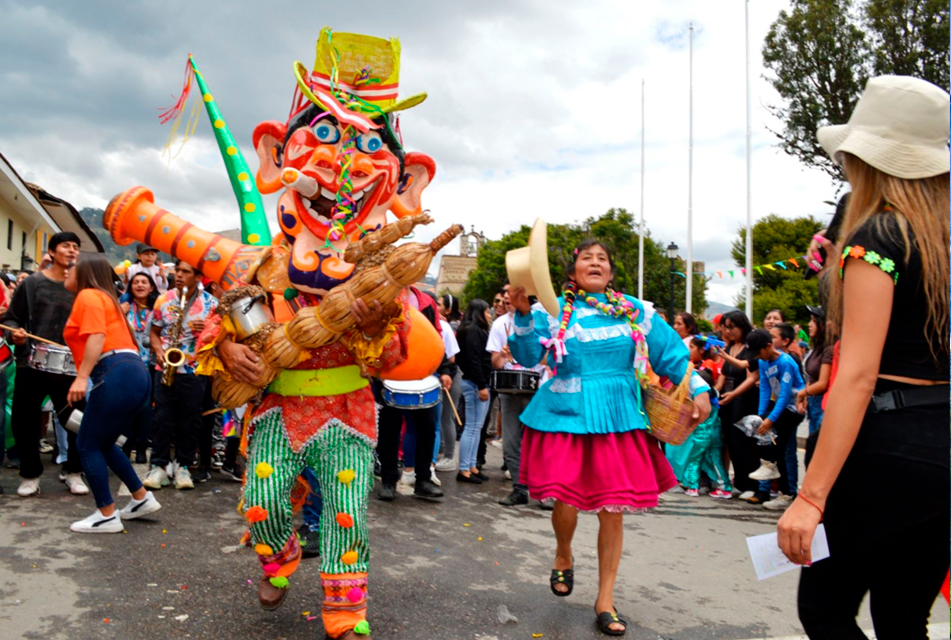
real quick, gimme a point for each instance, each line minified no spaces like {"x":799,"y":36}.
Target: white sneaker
{"x":76,"y":485}
{"x":746,"y":495}
{"x":29,"y":487}
{"x":156,"y":479}
{"x":446,"y":464}
{"x":767,"y":471}
{"x":432,"y":476}
{"x":138,"y":508}
{"x":183,"y":479}
{"x":779,"y":503}
{"x":409,"y":478}
{"x":98,"y":523}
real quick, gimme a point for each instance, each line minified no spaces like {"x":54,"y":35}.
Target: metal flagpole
{"x":749,"y":183}
{"x":689,"y":270}
{"x":640,"y":228}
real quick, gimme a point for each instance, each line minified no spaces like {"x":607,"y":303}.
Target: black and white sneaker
{"x":232,"y":472}
{"x":138,"y":508}
{"x":98,"y":523}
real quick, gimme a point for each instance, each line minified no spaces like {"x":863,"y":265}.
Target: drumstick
{"x":33,"y":337}
{"x":453,"y":405}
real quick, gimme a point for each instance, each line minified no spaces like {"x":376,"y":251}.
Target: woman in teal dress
{"x":587,"y":442}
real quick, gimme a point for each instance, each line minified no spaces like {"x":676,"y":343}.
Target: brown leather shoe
{"x":270,"y":597}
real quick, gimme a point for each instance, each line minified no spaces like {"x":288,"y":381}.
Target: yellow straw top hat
{"x":528,"y":267}
{"x":355,"y":73}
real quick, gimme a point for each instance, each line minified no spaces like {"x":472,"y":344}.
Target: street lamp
{"x":672,"y":256}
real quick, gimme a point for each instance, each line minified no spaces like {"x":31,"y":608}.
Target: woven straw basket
{"x":670,"y":411}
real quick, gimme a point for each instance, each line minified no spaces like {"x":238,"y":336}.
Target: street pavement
{"x":438,"y":570}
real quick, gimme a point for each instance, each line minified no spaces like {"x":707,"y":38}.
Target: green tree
{"x":615,"y":229}
{"x":822,"y":52}
{"x":776,"y":238}
{"x":909,"y":38}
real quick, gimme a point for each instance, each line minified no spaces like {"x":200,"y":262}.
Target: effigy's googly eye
{"x":326,"y":132}
{"x":369,"y":142}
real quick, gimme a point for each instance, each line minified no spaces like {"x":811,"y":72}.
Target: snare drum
{"x":412,"y":394}
{"x":46,"y":357}
{"x":515,"y":381}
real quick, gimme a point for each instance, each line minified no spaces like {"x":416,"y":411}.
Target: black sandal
{"x":606,"y":619}
{"x":565,"y":577}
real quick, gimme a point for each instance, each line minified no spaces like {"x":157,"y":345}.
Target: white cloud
{"x":533,"y":109}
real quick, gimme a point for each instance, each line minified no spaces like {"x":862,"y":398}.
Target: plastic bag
{"x":749,"y":424}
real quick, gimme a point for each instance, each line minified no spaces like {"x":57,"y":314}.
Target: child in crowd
{"x":703,"y":450}
{"x":706,"y":454}
{"x":147,"y":261}
{"x":779,"y":377}
{"x":784,"y":338}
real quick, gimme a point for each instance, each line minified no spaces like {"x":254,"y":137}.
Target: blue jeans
{"x":815,"y":413}
{"x":409,"y":440}
{"x":314,"y":502}
{"x":119,"y":390}
{"x":475,"y":416}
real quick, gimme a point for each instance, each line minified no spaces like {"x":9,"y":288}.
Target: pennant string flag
{"x":782,"y":264}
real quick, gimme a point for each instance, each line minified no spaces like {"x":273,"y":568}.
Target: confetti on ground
{"x":496,"y":564}
{"x":466,"y":524}
{"x":105,"y":620}
{"x":305,"y":613}
{"x":479,"y":539}
{"x":22,"y":524}
{"x":164,"y":530}
{"x":232,"y":548}
{"x":182,"y":618}
{"x":309,"y":618}
{"x":538,"y":635}
{"x":34,"y":566}
{"x":168,"y":608}
{"x":161,"y":617}
{"x":152,"y":584}
{"x":249,"y":582}
{"x":184,"y":586}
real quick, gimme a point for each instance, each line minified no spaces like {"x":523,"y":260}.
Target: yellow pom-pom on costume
{"x":263,"y":550}
{"x":349,"y":558}
{"x":263,"y":470}
{"x":346,"y":476}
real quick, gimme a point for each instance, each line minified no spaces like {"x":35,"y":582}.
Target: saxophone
{"x":174,"y":356}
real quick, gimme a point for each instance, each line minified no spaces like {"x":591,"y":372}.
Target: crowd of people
{"x":562,"y":396}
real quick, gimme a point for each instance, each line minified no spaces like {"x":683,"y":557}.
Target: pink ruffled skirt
{"x":611,"y":471}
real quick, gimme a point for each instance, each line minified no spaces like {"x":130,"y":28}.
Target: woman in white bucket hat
{"x":879,"y":476}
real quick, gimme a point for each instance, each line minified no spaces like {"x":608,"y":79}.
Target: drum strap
{"x":318,"y":382}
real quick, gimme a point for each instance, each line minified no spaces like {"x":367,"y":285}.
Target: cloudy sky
{"x":534,"y":106}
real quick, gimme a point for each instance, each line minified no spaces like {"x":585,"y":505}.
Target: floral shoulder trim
{"x":860,"y":253}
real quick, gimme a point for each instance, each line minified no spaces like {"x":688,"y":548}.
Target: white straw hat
{"x":528,"y":267}
{"x":899,"y":126}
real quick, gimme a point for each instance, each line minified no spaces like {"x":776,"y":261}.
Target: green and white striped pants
{"x":342,"y":459}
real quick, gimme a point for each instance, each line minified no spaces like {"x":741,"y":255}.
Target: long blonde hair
{"x":921,"y":206}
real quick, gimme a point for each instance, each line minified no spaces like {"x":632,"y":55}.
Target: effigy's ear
{"x":419,"y":170}
{"x":268,"y":139}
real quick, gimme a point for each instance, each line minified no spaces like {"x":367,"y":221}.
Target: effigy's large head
{"x":339,"y":156}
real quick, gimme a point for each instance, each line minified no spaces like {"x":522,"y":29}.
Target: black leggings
{"x":887,"y":523}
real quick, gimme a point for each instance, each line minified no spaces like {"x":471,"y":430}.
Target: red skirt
{"x":611,"y":471}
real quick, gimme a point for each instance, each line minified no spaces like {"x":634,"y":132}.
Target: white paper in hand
{"x":768,"y":558}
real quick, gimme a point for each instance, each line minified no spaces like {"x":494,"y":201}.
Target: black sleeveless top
{"x":908,"y":350}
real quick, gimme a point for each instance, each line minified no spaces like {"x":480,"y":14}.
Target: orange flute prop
{"x":132,"y":216}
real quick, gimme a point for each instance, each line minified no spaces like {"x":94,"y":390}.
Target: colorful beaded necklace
{"x":140,"y":316}
{"x":619,"y":307}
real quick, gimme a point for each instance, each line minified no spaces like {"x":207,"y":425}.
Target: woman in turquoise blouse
{"x":586,"y":442}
